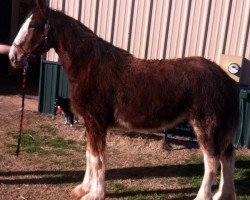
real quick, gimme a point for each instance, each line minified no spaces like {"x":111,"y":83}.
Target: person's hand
{"x":4,"y":49}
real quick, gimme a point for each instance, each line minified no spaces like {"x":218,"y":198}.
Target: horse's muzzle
{"x":18,"y":63}
{"x":18,"y":60}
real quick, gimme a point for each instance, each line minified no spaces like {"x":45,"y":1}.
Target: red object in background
{"x":58,"y":110}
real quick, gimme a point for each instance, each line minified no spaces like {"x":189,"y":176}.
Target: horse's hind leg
{"x":226,"y":189}
{"x":211,"y":162}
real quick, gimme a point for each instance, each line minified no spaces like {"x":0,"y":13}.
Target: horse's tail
{"x":236,"y":110}
{"x":232,"y":122}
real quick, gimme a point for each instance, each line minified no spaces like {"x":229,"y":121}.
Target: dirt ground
{"x":138,"y":167}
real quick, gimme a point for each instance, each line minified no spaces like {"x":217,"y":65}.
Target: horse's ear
{"x":43,"y":6}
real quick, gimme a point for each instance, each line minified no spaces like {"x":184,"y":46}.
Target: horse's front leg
{"x":85,"y":186}
{"x":93,"y":185}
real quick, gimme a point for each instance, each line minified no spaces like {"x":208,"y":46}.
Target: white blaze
{"x":20,"y":38}
{"x":23,"y":31}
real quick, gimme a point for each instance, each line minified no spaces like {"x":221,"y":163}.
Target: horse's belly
{"x":140,"y":123}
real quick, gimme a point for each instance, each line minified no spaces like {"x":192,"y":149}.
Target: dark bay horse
{"x":111,"y":87}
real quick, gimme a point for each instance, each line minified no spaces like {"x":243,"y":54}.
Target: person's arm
{"x":4,"y":49}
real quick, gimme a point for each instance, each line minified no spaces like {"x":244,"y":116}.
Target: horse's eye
{"x":33,"y":25}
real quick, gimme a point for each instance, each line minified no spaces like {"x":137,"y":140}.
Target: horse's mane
{"x":81,"y":39}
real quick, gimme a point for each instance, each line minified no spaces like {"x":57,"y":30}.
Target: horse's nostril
{"x":12,"y":59}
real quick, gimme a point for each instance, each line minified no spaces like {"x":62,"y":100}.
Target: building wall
{"x":157,"y":29}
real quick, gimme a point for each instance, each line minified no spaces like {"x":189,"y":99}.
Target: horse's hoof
{"x":91,"y":196}
{"x":77,"y":192}
{"x":203,"y":198}
{"x":217,"y":196}
{"x":220,"y":196}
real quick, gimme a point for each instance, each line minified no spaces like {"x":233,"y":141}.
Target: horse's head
{"x":32,"y":38}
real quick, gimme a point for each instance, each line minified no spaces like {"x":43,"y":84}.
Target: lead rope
{"x":22,"y":110}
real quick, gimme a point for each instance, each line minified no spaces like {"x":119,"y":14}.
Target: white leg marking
{"x":211,"y":164}
{"x":97,"y":169}
{"x":88,"y":174}
{"x":226,"y":188}
{"x":85,"y":187}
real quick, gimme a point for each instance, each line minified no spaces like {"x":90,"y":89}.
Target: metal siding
{"x":63,"y":87}
{"x":104,"y":25}
{"x":53,"y":83}
{"x":216,"y":29}
{"x":196,"y":28}
{"x":177,"y":29}
{"x":157,"y":29}
{"x":122,"y":23}
{"x":58,"y":5}
{"x":88,"y":14}
{"x":140,"y":27}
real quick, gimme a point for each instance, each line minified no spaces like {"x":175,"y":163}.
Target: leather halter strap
{"x":19,"y":47}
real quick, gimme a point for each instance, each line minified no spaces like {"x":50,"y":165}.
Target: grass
{"x":61,"y":178}
{"x":117,"y":187}
{"x":242,"y":175}
{"x":187,"y":175}
{"x":47,"y":128}
{"x":189,"y":178}
{"x":59,"y":142}
{"x":69,"y":163}
{"x":44,"y":145}
{"x":134,"y":193}
{"x":193,"y":164}
{"x":120,"y":190}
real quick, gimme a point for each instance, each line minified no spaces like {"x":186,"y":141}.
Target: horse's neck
{"x":72,"y":41}
{"x":80,"y":50}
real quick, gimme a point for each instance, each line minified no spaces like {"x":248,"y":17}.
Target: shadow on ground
{"x":157,"y":192}
{"x":180,"y":170}
{"x":61,"y":177}
{"x":169,"y":142}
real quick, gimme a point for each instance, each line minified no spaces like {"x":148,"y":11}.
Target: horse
{"x":110,"y":88}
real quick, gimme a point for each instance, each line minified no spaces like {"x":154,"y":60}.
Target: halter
{"x":44,"y":37}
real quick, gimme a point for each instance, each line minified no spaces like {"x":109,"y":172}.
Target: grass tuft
{"x":59,"y":142}
{"x":48,"y":129}
{"x":33,"y":142}
{"x":116,"y":187}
